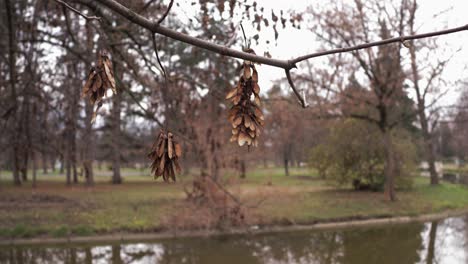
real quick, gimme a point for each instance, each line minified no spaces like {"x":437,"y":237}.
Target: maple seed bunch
{"x":165,"y":153}
{"x":100,"y":78}
{"x":245,"y":115}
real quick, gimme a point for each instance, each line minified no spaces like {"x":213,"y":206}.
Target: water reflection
{"x":437,"y":242}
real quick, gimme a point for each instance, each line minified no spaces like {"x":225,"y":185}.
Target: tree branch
{"x":380,"y":43}
{"x":155,"y":27}
{"x":160,"y":20}
{"x":155,"y":47}
{"x":76,"y":11}
{"x":293,"y":87}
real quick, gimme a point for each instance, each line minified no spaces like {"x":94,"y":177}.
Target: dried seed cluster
{"x":165,"y":153}
{"x":245,"y":115}
{"x":100,"y":78}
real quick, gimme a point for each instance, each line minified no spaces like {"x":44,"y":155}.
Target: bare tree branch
{"x":155,"y":47}
{"x":76,"y":11}
{"x":380,"y":43}
{"x":160,"y":20}
{"x":293,"y":87}
{"x":155,"y":27}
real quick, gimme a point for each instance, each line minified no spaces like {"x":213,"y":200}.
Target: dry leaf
{"x":100,"y":78}
{"x":245,"y":115}
{"x":164,"y":155}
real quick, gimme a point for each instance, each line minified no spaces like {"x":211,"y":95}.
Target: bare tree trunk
{"x":26,"y":142}
{"x":116,"y":258}
{"x":287,"y":157}
{"x":428,"y":141}
{"x":68,"y":163}
{"x":88,"y":255}
{"x":88,"y":137}
{"x":88,"y":142}
{"x":431,"y":245}
{"x":75,"y":97}
{"x":432,"y":160}
{"x":44,"y":163}
{"x":68,"y":138}
{"x":389,"y":169}
{"x":73,"y":152}
{"x":52,"y":161}
{"x":24,"y":163}
{"x":214,"y":170}
{"x":62,"y":164}
{"x":73,"y":255}
{"x":242,"y":168}
{"x":44,"y":139}
{"x":10,"y":12}
{"x":116,"y":138}
{"x":421,"y":104}
{"x":286,"y":165}
{"x":34,"y":169}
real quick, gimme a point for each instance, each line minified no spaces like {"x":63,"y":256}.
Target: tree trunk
{"x":75,"y":98}
{"x":389,"y":169}
{"x":286,"y":166}
{"x":44,"y":163}
{"x":428,"y":143}
{"x":67,"y":164}
{"x":62,"y":163}
{"x":421,"y":105}
{"x":88,"y":137}
{"x":242,"y":169}
{"x":44,"y":139}
{"x":431,"y":245}
{"x":34,"y":169}
{"x":67,"y":138}
{"x":88,"y":142}
{"x":73,"y":255}
{"x":24,"y":167}
{"x":431,"y":160}
{"x":215,"y":168}
{"x":116,"y":259}
{"x":115,"y":139}
{"x":10,"y":13}
{"x":52,"y":163}
{"x":88,"y":255}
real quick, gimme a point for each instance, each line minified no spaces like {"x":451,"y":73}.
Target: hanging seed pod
{"x":100,"y":78}
{"x":165,"y":154}
{"x":245,"y":115}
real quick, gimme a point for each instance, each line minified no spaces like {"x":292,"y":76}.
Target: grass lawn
{"x":140,"y":204}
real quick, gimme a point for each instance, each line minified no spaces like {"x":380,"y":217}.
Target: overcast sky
{"x":293,"y":42}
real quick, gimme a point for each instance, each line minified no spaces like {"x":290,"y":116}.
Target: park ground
{"x":142,"y":204}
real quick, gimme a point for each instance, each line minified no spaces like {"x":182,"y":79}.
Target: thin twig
{"x":226,"y":51}
{"x":293,"y":87}
{"x":401,"y":39}
{"x":155,"y":47}
{"x":165,"y":13}
{"x":76,"y":11}
{"x":154,"y":27}
{"x":245,"y":38}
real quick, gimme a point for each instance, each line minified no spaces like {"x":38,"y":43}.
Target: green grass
{"x":141,"y":204}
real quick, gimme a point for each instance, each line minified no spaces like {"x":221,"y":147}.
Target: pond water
{"x":444,"y":241}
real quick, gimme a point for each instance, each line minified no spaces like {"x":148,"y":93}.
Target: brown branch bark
{"x":76,"y":11}
{"x":380,"y":43}
{"x":293,"y":87}
{"x":155,"y":27}
{"x":161,"y":19}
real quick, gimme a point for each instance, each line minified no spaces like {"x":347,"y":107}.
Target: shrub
{"x":353,"y":153}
